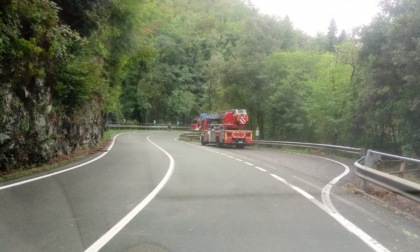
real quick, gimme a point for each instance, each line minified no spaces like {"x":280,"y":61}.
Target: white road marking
{"x":248,"y":163}
{"x":124,"y":221}
{"x":305,"y":194}
{"x":237,"y":159}
{"x":329,"y":208}
{"x":278,"y":178}
{"x":261,"y":169}
{"x":332,"y":211}
{"x":65,"y":170}
{"x":297,"y":189}
{"x":307,"y":183}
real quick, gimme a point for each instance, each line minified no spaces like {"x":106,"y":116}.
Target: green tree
{"x":332,"y":36}
{"x":389,"y":96}
{"x":330,"y":98}
{"x":289,"y":75}
{"x":182,"y":105}
{"x":243,"y":85}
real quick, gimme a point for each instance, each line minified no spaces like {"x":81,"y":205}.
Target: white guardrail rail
{"x":395,"y":173}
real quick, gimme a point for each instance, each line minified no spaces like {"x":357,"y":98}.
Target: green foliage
{"x":240,"y":78}
{"x":181,"y":105}
{"x":309,"y":96}
{"x":79,"y":79}
{"x":135,"y":103}
{"x":31,"y":40}
{"x":289,"y":75}
{"x":330,"y":98}
{"x":332,"y":36}
{"x":171,"y":60}
{"x":390,"y":94}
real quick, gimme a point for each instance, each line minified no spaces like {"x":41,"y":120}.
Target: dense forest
{"x":68,"y":67}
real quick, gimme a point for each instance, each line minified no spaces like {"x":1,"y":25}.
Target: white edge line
{"x":65,"y":170}
{"x":261,"y":169}
{"x":300,"y":191}
{"x":124,"y":221}
{"x":278,"y":178}
{"x":297,"y":189}
{"x":332,"y":211}
{"x":329,"y":208}
{"x":304,"y":193}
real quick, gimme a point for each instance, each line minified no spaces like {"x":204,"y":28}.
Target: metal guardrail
{"x":397,"y":184}
{"x":404,"y":187}
{"x":372,"y":169}
{"x":345,"y":149}
{"x":391,"y":164}
{"x":350,"y":150}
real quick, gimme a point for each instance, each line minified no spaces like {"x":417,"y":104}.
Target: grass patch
{"x":24,"y":173}
{"x":111,"y":133}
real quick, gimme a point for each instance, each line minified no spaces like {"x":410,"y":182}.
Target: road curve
{"x":212,"y":200}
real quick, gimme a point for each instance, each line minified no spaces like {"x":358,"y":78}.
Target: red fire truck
{"x":225,"y":128}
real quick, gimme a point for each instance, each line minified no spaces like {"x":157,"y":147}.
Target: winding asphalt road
{"x":151,"y":192}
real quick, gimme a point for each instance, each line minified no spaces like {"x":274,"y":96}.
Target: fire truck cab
{"x":195,"y":124}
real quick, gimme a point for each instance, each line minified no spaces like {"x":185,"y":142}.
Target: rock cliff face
{"x":33,"y":130}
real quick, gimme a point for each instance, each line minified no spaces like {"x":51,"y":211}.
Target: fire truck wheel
{"x":202,"y":140}
{"x":218,"y":142}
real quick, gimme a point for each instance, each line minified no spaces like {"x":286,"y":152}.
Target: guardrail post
{"x":402,"y":170}
{"x":399,"y":185}
{"x":380,"y":165}
{"x":371,"y":159}
{"x":366,"y":186}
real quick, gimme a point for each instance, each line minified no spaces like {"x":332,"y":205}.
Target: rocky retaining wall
{"x":33,"y":131}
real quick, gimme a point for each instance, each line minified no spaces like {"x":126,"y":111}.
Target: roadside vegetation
{"x":171,"y":60}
